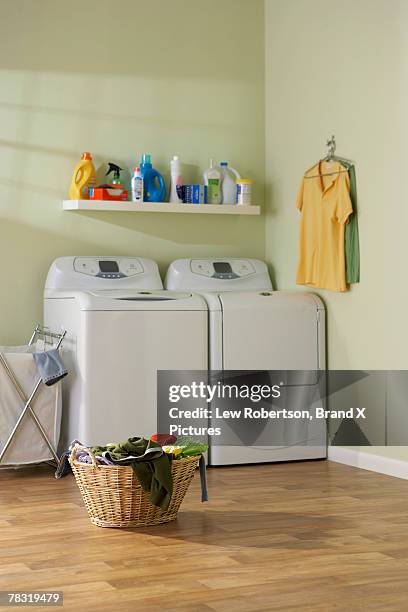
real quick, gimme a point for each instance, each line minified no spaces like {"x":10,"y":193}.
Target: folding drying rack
{"x":48,"y":337}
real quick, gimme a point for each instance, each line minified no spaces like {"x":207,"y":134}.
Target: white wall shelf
{"x":164,"y":207}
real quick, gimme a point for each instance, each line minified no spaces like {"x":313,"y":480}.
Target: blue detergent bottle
{"x":154,"y":187}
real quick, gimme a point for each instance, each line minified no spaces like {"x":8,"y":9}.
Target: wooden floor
{"x":301,"y":536}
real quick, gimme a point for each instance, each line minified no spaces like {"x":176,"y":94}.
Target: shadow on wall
{"x":153,"y":86}
{"x":99,"y":37}
{"x":165,"y":90}
{"x":228,"y":231}
{"x":26,"y":255}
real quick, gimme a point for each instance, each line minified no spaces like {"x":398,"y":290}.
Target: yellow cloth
{"x":325,"y":205}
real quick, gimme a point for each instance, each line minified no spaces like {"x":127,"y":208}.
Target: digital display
{"x":222,"y":267}
{"x":108,"y":266}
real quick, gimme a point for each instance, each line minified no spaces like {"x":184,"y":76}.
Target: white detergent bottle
{"x":137,"y":186}
{"x":176,"y":180}
{"x":229,"y":177}
{"x":212,"y":178}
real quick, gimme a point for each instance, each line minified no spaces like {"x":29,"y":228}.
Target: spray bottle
{"x":116,"y":174}
{"x":111,"y":191}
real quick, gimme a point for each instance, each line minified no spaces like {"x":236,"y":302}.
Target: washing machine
{"x":252,"y":327}
{"x":121,"y":328}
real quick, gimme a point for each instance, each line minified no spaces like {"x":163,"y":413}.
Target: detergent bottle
{"x":212,"y":178}
{"x":154,"y":187}
{"x":229,"y":178}
{"x":84,"y":178}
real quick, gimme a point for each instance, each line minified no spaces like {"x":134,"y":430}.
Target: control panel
{"x":218,"y":274}
{"x":76,"y":273}
{"x":222,"y":270}
{"x":104,"y":267}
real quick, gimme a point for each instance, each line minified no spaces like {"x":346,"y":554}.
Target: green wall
{"x":344,"y":73}
{"x":119,"y":79}
{"x":342,"y":69}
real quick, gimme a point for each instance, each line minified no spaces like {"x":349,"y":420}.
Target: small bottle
{"x":176,"y":180}
{"x":244,"y":192}
{"x":137,"y":185}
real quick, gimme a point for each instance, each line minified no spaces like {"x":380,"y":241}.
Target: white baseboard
{"x":368,"y":461}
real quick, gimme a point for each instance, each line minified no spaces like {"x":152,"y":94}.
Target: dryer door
{"x":270,"y":331}
{"x":275,"y":331}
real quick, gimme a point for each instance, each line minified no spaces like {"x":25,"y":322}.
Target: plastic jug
{"x":84,"y":178}
{"x":229,"y":178}
{"x":154,"y":187}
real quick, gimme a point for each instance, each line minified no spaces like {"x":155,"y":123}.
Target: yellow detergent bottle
{"x":84,"y":178}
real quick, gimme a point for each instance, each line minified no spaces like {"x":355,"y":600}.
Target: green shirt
{"x":351,"y":237}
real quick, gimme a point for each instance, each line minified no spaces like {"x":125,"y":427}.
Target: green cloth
{"x":151,"y":465}
{"x":351,"y":236}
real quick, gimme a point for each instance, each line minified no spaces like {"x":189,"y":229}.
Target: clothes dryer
{"x":252,"y":327}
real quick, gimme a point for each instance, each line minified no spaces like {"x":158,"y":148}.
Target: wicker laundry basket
{"x":114,"y":497}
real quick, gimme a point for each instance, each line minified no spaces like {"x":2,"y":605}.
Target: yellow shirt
{"x":325,"y":205}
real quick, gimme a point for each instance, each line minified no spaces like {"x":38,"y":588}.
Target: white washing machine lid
{"x":273,"y":300}
{"x":135,"y":300}
{"x":261,"y":300}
